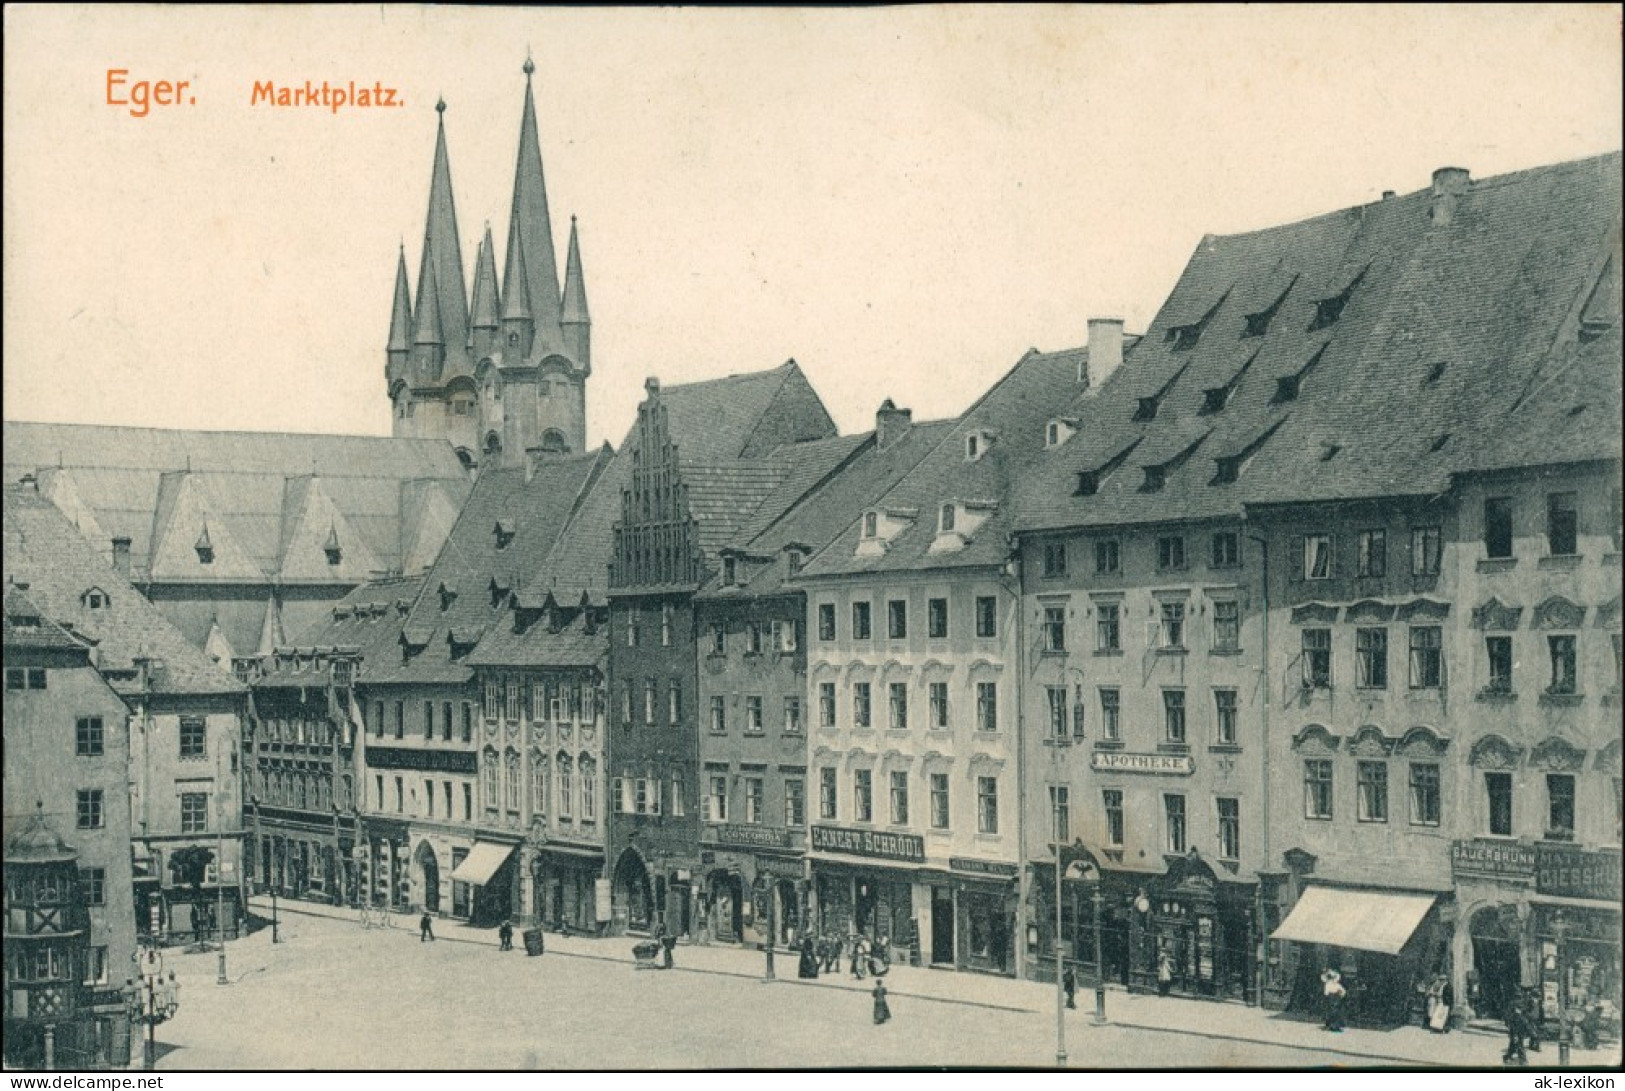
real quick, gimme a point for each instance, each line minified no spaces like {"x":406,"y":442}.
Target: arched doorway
{"x":1496,"y":961}
{"x":631,"y":891}
{"x":426,"y":873}
{"x":727,"y":905}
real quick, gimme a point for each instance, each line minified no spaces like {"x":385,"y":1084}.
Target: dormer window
{"x":96,"y":599}
{"x":1147,"y":409}
{"x":945,"y":521}
{"x":1088,"y":483}
{"x":503,"y":531}
{"x":1226,"y":471}
{"x":1155,"y":478}
{"x":1214,"y":398}
{"x":1286,"y":388}
{"x":730,"y":571}
{"x":871,"y":523}
{"x":204,"y":547}
{"x":331,"y":546}
{"x":448,"y":595}
{"x":1435,"y":373}
{"x":1184,"y":338}
{"x":1329,"y":310}
{"x":973,"y":447}
{"x":1329,"y":451}
{"x":1058,"y":431}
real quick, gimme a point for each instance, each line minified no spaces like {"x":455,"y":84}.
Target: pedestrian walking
{"x":505,"y":936}
{"x":807,"y":966}
{"x":859,"y":955}
{"x":1333,"y":994}
{"x":1069,"y":983}
{"x":1531,"y":1013}
{"x":1517,"y":1033}
{"x":668,"y":943}
{"x":882,"y":1009}
{"x":832,"y":954}
{"x":1165,"y":973}
{"x":425,"y":928}
{"x":880,"y":956}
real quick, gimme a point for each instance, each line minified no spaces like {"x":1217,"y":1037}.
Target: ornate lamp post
{"x":1100,"y":963}
{"x":766,"y":901}
{"x":1560,"y":928}
{"x":152,"y":1002}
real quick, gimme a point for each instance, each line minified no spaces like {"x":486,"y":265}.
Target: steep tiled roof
{"x":369,"y":619}
{"x":1010,"y":418}
{"x":44,"y":550}
{"x":253,"y":487}
{"x":24,"y":626}
{"x":1383,"y":351}
{"x":744,"y":416}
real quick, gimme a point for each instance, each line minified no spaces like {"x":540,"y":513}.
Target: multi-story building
{"x":915,"y":665}
{"x":752,"y":696}
{"x":70,"y":929}
{"x":702,"y":461}
{"x":184,"y":728}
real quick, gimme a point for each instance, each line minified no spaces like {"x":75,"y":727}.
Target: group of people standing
{"x":866,"y":957}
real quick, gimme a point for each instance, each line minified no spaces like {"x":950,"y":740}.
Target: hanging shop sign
{"x":1113,"y":761}
{"x":875,"y":843}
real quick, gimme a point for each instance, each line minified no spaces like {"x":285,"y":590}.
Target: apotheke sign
{"x":1111,"y":761}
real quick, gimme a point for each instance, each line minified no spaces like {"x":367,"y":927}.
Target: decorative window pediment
{"x":1607,"y":759}
{"x":1314,"y":613}
{"x":1370,"y":611}
{"x":1494,"y":752}
{"x":1423,"y":610}
{"x":1370,"y":741}
{"x":1315,"y":741}
{"x":1608,"y":614}
{"x":1557,"y":756}
{"x":1558,"y":612}
{"x":1422,"y":741}
{"x":1497,"y":617}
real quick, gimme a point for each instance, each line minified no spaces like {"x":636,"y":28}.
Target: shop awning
{"x":482,"y":862}
{"x":1363,"y":920}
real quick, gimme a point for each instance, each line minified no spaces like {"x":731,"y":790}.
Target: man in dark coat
{"x":425,"y":928}
{"x":1069,"y":983}
{"x":1517,"y":1033}
{"x":882,"y":1009}
{"x":505,"y":936}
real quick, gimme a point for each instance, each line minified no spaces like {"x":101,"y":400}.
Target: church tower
{"x":504,"y":375}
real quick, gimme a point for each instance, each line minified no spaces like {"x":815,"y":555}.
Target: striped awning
{"x":482,"y":862}
{"x":1362,"y":920}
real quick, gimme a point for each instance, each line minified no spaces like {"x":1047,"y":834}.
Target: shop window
{"x":1498,"y":798}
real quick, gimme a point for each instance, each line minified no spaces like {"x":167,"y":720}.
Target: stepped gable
{"x":1368,"y":352}
{"x":44,"y":550}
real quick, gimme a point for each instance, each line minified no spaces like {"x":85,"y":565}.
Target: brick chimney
{"x":891,"y":422}
{"x":1105,"y":350}
{"x":1449,"y":186}
{"x":121,"y":556}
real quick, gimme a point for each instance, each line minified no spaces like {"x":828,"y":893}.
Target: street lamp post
{"x":1100,"y":964}
{"x":1058,"y":741}
{"x":1560,"y":927}
{"x":767,"y":897}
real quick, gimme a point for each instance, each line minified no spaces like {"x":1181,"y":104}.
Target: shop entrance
{"x":428,"y":877}
{"x":942,"y":926}
{"x":727,"y":906}
{"x":987,"y":931}
{"x":631,"y":892}
{"x":1496,"y":962}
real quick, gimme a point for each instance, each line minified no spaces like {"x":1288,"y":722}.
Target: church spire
{"x":575,"y":321}
{"x":400,"y":321}
{"x":440,"y":278}
{"x":530,"y":232}
{"x":486,"y":304}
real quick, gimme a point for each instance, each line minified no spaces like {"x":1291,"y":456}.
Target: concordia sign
{"x":883,"y":846}
{"x":772,"y":837}
{"x":1108,"y":761}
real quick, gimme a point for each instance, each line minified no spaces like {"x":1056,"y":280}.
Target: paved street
{"x":335,"y":995}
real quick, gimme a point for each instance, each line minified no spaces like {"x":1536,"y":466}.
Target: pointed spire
{"x":516,"y":296}
{"x":575,"y":289}
{"x":400,"y":321}
{"x":271,"y":627}
{"x":440,"y":278}
{"x":530,"y":230}
{"x":486,"y":303}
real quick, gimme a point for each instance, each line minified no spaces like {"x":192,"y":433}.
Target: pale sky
{"x":903,"y":200}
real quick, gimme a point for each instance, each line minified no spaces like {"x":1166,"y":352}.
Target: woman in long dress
{"x":882,"y":1009}
{"x":808,"y":967}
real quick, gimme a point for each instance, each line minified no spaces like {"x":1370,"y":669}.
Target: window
{"x":589,"y":790}
{"x":1498,"y":795}
{"x":539,"y":777}
{"x":1371,"y":658}
{"x":987,"y":706}
{"x":898,"y":695}
{"x":1425,"y":801}
{"x":491,"y":698}
{"x":939,"y":801}
{"x":649,"y":689}
{"x":1224,"y":716}
{"x":938,"y":692}
{"x":428,"y":720}
{"x":674,"y":703}
{"x":1055,"y":628}
{"x":1317,"y":556}
{"x":445,"y":721}
{"x":1057,"y":711}
{"x":730,"y":571}
{"x":860,"y":704}
{"x":193,"y":736}
{"x":1173,"y":716}
{"x":1564,"y":678}
{"x":468,"y":722}
{"x":1173,"y":809}
{"x":987,"y":804}
{"x":93,"y":885}
{"x":88,"y":737}
{"x":1427,"y":657}
{"x":1060,"y":814}
{"x":468,"y":799}
{"x":826,"y":794}
{"x":1317,"y":658}
{"x":1226,"y":550}
{"x":860,"y":621}
{"x":1371,"y":803}
{"x":826,"y":704}
{"x":1108,"y":558}
{"x":95,"y":968}
{"x":716,"y":800}
{"x":400,"y":719}
{"x":897,"y":619}
{"x":665,"y":625}
{"x":1229,"y":828}
{"x":378,"y":791}
{"x":511,"y":701}
{"x":1373,"y":554}
{"x":719,"y":640}
{"x":89,"y":814}
{"x":15,"y":678}
{"x":1498,"y":527}
{"x":755,"y":797}
{"x":632,"y":629}
{"x":488,"y":783}
{"x":1226,"y":626}
{"x":679,"y":799}
{"x":1111,"y":728}
{"x":753,"y":638}
{"x":753,"y":715}
{"x":795,"y":802}
{"x":1317,"y":788}
{"x":194,"y":812}
{"x":826,"y":621}
{"x":987,"y":617}
{"x":899,"y":798}
{"x":511,"y":785}
{"x":1426,"y":544}
{"x":786,"y":634}
{"x":1173,"y":625}
{"x":945,"y":518}
{"x":1054,"y":559}
{"x":1560,"y":806}
{"x":1108,"y":628}
{"x":871,"y":524}
{"x":719,"y":715}
{"x":1498,"y":650}
{"x":863,"y":795}
{"x":792,"y":715}
{"x":1562,"y":524}
{"x":1111,"y":802}
{"x":1170,"y":553}
{"x":428,"y":792}
{"x":936,"y":619}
